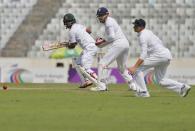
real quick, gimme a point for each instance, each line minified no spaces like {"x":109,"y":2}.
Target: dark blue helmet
{"x":139,"y":22}
{"x":102,"y":11}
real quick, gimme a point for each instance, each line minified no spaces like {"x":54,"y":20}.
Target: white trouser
{"x":120,"y":54}
{"x":160,"y":67}
{"x":85,"y":60}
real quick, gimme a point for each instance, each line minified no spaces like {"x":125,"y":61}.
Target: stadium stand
{"x":30,"y":28}
{"x":13,"y":12}
{"x":172,"y":20}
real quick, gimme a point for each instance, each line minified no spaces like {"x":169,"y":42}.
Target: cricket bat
{"x":54,"y":45}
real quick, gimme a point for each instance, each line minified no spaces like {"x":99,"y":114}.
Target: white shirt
{"x":78,"y":34}
{"x":151,"y":45}
{"x":112,"y":30}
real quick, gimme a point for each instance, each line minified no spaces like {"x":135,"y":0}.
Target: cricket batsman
{"x":153,"y":55}
{"x":78,"y":34}
{"x":118,"y":48}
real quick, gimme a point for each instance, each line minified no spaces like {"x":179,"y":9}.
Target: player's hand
{"x":99,"y":41}
{"x":132,"y":70}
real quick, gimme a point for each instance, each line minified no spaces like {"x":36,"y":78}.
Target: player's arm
{"x":72,"y":40}
{"x":138,"y":63}
{"x":111,"y":34}
{"x":134,"y":68}
{"x":143,"y":55}
{"x":144,"y":47}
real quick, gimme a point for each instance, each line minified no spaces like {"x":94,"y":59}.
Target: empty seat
{"x":171,"y":20}
{"x":12,"y":15}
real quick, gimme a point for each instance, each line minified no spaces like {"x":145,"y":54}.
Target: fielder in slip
{"x":153,"y":55}
{"x":118,"y":50}
{"x":78,"y":34}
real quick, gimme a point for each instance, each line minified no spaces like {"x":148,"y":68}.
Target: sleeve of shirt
{"x":111,"y":34}
{"x":72,"y":37}
{"x":144,"y":46}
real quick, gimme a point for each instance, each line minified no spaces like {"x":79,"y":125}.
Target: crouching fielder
{"x":78,"y":34}
{"x":153,"y":55}
{"x":118,"y":48}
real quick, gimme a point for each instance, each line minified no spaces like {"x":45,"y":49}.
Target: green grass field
{"x":64,"y":107}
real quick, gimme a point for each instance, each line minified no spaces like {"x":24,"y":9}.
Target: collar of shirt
{"x":141,"y":32}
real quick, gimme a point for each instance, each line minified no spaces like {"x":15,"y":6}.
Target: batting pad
{"x":84,"y":72}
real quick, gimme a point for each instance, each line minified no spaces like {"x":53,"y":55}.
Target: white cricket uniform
{"x":78,"y":34}
{"x":118,"y":49}
{"x":156,"y":56}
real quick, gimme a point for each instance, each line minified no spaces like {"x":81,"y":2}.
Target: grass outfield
{"x":64,"y":107}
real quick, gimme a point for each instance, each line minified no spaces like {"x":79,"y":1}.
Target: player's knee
{"x":160,"y":82}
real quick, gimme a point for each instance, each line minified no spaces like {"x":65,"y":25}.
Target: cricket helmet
{"x":102,"y":11}
{"x":69,"y":20}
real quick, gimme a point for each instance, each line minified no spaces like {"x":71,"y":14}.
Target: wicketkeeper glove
{"x":100,"y":42}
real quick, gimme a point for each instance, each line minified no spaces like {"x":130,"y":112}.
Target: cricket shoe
{"x":86,"y":84}
{"x":97,"y":89}
{"x":101,"y":87}
{"x":142,"y":94}
{"x":185,"y":90}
